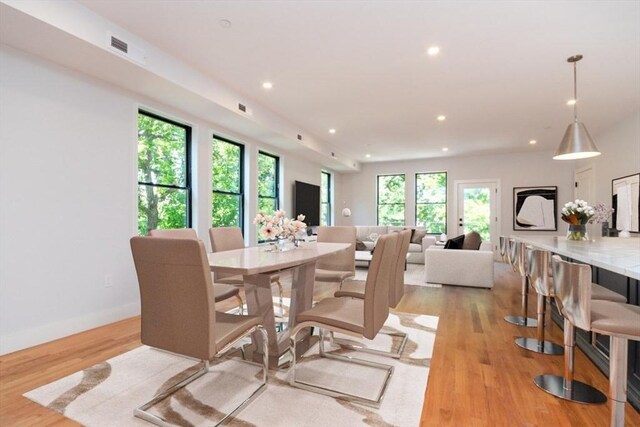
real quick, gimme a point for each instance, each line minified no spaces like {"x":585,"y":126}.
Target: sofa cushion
{"x":417,"y":236}
{"x":414,"y":247}
{"x":472,"y":241}
{"x":364,"y":231}
{"x":455,"y":243}
{"x":360,"y":246}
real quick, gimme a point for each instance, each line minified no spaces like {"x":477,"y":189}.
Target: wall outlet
{"x":108,"y":280}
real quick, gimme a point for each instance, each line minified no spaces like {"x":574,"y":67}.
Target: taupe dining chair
{"x":356,"y":289}
{"x":339,"y":266}
{"x":618,"y":320}
{"x":228,"y":239}
{"x":354,"y":317}
{"x":178,"y":312}
{"x":221,"y":291}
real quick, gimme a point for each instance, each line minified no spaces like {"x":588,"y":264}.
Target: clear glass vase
{"x":577,"y":232}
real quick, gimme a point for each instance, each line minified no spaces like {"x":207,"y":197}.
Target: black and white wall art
{"x":625,"y":199}
{"x":534,"y":208}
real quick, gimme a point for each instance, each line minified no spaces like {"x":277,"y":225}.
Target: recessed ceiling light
{"x":267,"y":85}
{"x":532,"y":142}
{"x":367,"y":155}
{"x":445,"y":149}
{"x":433,"y":50}
{"x":332,"y":131}
{"x":225,"y":23}
{"x":571,"y":102}
{"x":442,"y":118}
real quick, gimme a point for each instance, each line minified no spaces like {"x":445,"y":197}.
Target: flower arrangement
{"x":601,"y":213}
{"x":577,"y":212}
{"x":278,"y":226}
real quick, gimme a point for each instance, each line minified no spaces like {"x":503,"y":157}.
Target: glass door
{"x":477,"y":209}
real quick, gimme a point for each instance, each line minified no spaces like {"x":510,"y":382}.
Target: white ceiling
{"x":361,"y":67}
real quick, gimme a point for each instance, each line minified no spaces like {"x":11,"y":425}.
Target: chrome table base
{"x":575,"y":391}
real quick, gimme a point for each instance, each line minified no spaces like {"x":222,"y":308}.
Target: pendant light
{"x":576,"y":143}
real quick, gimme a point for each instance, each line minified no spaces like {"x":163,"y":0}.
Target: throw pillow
{"x":413,"y":231}
{"x":360,"y":246}
{"x":455,"y":243}
{"x":472,"y":241}
{"x":417,"y":236}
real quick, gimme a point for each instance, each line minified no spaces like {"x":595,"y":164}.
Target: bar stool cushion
{"x":613,"y":318}
{"x":601,"y":293}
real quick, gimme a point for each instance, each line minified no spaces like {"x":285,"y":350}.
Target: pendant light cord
{"x":575,"y":93}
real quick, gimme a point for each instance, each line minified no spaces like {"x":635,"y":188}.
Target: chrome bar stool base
{"x":522,"y":321}
{"x":579,"y":392}
{"x":543,"y":347}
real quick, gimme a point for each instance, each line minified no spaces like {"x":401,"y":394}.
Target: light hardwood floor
{"x":478,"y":376}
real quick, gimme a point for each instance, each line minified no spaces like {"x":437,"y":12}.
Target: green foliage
{"x":267,"y":176}
{"x":162,"y":159}
{"x":325,"y":199}
{"x":226,"y":182}
{"x":431,"y":201}
{"x":391,"y":199}
{"x":477,"y":211}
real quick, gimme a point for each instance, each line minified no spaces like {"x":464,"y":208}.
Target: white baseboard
{"x":51,"y":331}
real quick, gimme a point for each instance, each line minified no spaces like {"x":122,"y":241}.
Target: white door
{"x":584,"y":185}
{"x":477,"y":209}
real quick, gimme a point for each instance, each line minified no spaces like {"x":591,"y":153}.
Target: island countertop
{"x":616,"y":254}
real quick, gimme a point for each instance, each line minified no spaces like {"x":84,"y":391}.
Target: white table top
{"x":256,"y":259}
{"x":616,"y":254}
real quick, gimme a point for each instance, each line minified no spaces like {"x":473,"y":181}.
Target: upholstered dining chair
{"x":178,"y":312}
{"x":221,"y":291}
{"x":619,"y":320}
{"x":354,"y":317}
{"x":356,"y":289}
{"x":228,"y":239}
{"x":339,"y":266}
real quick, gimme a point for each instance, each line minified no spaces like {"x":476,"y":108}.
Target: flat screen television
{"x":306,"y":201}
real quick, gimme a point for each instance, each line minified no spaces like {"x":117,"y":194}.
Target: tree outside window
{"x":431,"y":201}
{"x":325,"y":198}
{"x":227,"y":201}
{"x":268,"y":187}
{"x":164,"y":181}
{"x":391,"y":199}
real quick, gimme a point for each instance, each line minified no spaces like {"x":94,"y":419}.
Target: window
{"x":268,"y":188}
{"x":431,"y":201}
{"x":227,"y":183}
{"x":391,"y":199}
{"x":164,"y":178}
{"x":325,"y":198}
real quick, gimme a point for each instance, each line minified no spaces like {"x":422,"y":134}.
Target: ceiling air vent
{"x":126,"y":49}
{"x":120,"y":45}
{"x":299,"y":137}
{"x":242,"y":108}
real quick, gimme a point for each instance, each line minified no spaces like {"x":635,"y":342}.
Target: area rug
{"x":413,"y":275}
{"x":106,"y":394}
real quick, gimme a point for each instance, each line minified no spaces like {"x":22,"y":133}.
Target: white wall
{"x":620,"y":148}
{"x":68,"y":197}
{"x":513,"y":170}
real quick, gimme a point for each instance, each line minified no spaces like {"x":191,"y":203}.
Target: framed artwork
{"x":625,"y":200}
{"x":535,"y":208}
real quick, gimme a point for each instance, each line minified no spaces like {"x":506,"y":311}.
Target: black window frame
{"x":446,"y":198}
{"x":404,"y":204}
{"x":276,"y":197}
{"x":241,"y":194}
{"x":328,"y":203}
{"x":188,"y":181}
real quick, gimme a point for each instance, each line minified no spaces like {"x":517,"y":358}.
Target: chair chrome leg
{"x":566,"y":387}
{"x":141,"y":411}
{"x":539,"y":345}
{"x":331,"y":392}
{"x":394,"y":354}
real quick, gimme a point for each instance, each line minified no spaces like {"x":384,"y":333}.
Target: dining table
{"x":256,"y":264}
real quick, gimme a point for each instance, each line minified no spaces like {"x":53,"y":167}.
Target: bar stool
{"x":503,"y":248}
{"x":538,"y":272}
{"x":517,"y":257}
{"x":620,"y":321}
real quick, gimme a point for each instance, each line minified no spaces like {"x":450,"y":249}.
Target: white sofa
{"x":459,"y":266}
{"x":416,"y":250}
